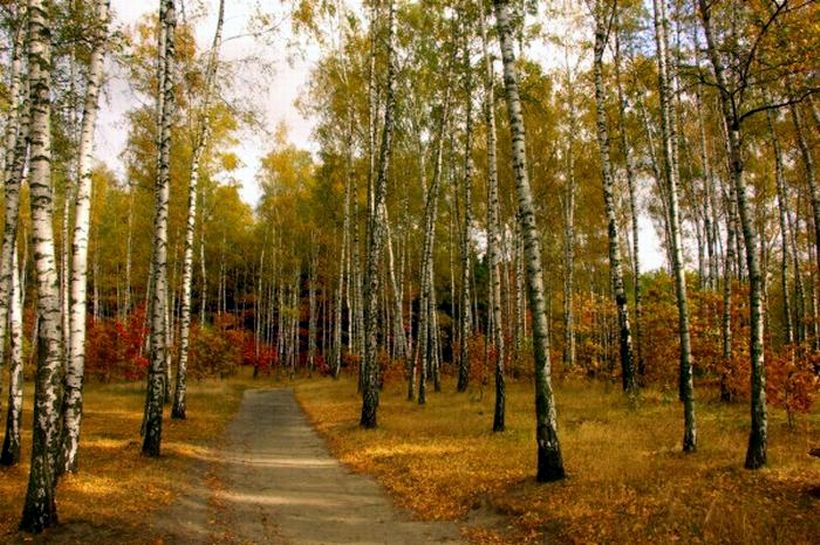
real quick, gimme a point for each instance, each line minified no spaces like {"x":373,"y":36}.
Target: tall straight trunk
{"x":178,"y":410}
{"x":40,"y":507}
{"x":466,"y":258}
{"x":312,"y":280}
{"x":14,"y":160}
{"x":710,"y":208}
{"x":799,"y":293}
{"x":203,"y":271}
{"x":568,"y":210}
{"x":550,"y":463}
{"x":756,"y":451}
{"x":75,"y":368}
{"x":428,"y":339}
{"x":399,"y":337}
{"x":814,"y":195}
{"x":495,"y":319}
{"x":633,"y":207}
{"x":520,"y":297}
{"x":344,"y":253}
{"x":671,"y":173}
{"x":788,"y":329}
{"x":375,"y":243}
{"x":10,"y":454}
{"x":728,"y":278}
{"x":128,"y":254}
{"x":159,"y":288}
{"x":602,"y":27}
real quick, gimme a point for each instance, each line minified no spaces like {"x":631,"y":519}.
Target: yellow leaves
{"x":118,"y":489}
{"x":628,"y":481}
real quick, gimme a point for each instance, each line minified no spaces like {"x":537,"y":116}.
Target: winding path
{"x":275,"y":482}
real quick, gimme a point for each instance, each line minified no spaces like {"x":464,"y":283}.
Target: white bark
{"x":179,"y":408}
{"x":40,"y":510}
{"x":376,"y":237}
{"x":159,"y":288}
{"x":75,"y":368}
{"x":14,"y":416}
{"x":14,"y":160}
{"x":603,"y":19}
{"x":670,"y":155}
{"x":550,"y":463}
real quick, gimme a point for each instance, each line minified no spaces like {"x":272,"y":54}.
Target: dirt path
{"x":275,"y":482}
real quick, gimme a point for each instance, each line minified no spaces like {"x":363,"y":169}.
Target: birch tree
{"x":10,"y":454}
{"x":375,"y":242}
{"x":493,"y":231}
{"x":671,"y":174}
{"x":604,"y":13}
{"x":14,"y":159}
{"x":179,"y":409}
{"x":40,"y":507}
{"x":466,"y":258}
{"x":152,"y":432}
{"x":733,"y":117}
{"x":550,"y":463}
{"x":75,"y":368}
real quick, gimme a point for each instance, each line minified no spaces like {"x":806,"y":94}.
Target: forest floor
{"x":268,"y":479}
{"x":246,"y":467}
{"x":628,"y":482}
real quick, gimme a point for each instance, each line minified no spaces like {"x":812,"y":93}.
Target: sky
{"x":276,"y":94}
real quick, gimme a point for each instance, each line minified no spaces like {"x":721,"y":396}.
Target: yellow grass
{"x":117,"y":490}
{"x":628,"y":482}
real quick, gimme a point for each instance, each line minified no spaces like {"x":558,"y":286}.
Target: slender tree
{"x":604,"y":13}
{"x":201,"y":141}
{"x":40,"y":508}
{"x":376,"y":236}
{"x":159,"y":285}
{"x":75,"y":368}
{"x":550,"y":462}
{"x":17,"y":125}
{"x":466,"y":259}
{"x":733,"y":117}
{"x":10,"y":454}
{"x":671,"y":175}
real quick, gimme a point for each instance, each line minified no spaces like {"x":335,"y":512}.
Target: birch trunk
{"x":344,"y":253}
{"x":568,"y":210}
{"x":75,"y":368}
{"x":671,"y":173}
{"x":14,"y":160}
{"x":375,"y":243}
{"x":728,"y":278}
{"x":40,"y":508}
{"x":466,"y":258}
{"x":312,"y":279}
{"x":493,"y":234}
{"x":165,"y":103}
{"x":756,"y":451}
{"x":602,"y":26}
{"x":633,"y":207}
{"x":788,"y":329}
{"x":179,"y":408}
{"x":814,"y":195}
{"x":427,"y":346}
{"x":550,"y":463}
{"x":10,"y":454}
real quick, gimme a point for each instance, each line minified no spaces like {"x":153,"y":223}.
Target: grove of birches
{"x":474,"y":209}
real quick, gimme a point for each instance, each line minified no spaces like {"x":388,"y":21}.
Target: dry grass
{"x":628,"y":482}
{"x":116,"y":491}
